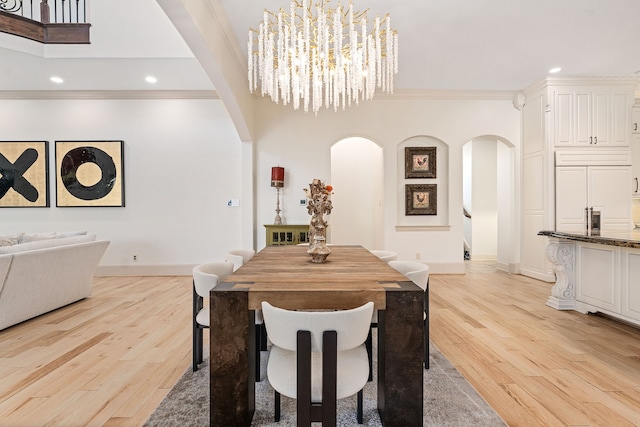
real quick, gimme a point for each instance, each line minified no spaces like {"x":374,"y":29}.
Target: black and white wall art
{"x":89,"y":173}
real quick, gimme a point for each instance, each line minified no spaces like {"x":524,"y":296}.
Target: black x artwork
{"x":24,"y":177}
{"x":12,"y":175}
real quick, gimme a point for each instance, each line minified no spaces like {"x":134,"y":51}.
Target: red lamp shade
{"x":277,"y":176}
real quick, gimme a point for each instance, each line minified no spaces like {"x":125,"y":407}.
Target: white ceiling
{"x":444,"y":44}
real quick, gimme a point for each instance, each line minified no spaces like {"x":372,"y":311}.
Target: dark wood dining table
{"x":285,"y":277}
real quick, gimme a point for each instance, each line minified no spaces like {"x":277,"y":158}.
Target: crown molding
{"x":582,"y":81}
{"x":448,"y":94}
{"x":418,"y":94}
{"x":109,"y":94}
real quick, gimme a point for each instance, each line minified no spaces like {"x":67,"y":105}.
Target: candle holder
{"x":277,"y":181}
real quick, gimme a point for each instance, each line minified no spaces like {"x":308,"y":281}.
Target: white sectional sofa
{"x":39,"y":273}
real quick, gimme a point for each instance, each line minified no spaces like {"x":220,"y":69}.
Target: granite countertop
{"x":629,"y":239}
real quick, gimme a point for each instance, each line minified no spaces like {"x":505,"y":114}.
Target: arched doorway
{"x":357,"y":178}
{"x":489,"y":201}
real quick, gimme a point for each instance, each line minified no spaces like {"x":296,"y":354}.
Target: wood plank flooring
{"x":534,"y":365}
{"x":111,"y":359}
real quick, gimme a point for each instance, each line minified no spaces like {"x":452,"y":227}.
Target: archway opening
{"x":489,"y":201}
{"x":357,"y":178}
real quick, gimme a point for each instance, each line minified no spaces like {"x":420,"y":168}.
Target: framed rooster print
{"x":421,"y":199}
{"x":420,"y":162}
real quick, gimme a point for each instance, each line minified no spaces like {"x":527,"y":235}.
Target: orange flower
{"x":329,"y":188}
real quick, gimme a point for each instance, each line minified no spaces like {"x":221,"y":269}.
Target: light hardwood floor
{"x":110,"y":360}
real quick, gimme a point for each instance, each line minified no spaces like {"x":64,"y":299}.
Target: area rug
{"x":449,"y":401}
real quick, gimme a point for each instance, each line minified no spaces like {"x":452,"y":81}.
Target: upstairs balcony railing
{"x":46,"y":21}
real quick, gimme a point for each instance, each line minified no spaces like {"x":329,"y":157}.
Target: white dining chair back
{"x":415,"y":271}
{"x":384,"y":255}
{"x":205,"y":277}
{"x":239,"y":257}
{"x":418,"y":273}
{"x":351,"y":326}
{"x":351,"y":369}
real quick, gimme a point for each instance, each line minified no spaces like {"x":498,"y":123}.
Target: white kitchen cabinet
{"x":591,"y":118}
{"x":635,"y":120}
{"x":585,"y":117}
{"x":597,"y":283}
{"x":630,"y":283}
{"x":580,"y":189}
{"x":635,"y":165}
{"x":548,"y":126}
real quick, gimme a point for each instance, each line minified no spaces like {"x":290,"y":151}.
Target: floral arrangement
{"x":318,"y":205}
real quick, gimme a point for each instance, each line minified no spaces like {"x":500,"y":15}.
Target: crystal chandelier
{"x":321,"y":57}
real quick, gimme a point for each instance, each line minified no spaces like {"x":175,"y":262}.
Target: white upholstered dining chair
{"x":239,"y":257}
{"x":384,"y":255}
{"x":418,"y":273}
{"x":205,"y":278}
{"x":317,"y":357}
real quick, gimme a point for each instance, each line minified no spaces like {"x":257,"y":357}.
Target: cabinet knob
{"x":636,"y":180}
{"x":635,"y":126}
{"x":595,"y":139}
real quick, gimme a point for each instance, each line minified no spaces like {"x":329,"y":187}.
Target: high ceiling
{"x":444,"y":44}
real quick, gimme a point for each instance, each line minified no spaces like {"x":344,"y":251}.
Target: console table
{"x":285,"y":277}
{"x":596,"y":273}
{"x":286,"y":234}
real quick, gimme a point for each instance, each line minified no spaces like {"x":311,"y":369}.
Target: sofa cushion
{"x":61,"y":234}
{"x":48,"y":243}
{"x":10,"y":239}
{"x":34,"y":237}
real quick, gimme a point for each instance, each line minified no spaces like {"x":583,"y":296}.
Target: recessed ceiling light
{"x":151,"y":79}
{"x":57,"y":79}
{"x":555,"y":70}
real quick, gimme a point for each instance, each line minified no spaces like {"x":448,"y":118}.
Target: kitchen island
{"x":596,"y":273}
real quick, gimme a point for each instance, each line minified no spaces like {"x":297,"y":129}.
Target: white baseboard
{"x":445,"y":267}
{"x":483,"y":257}
{"x":508,"y":267}
{"x":538,"y":275}
{"x":145,"y":270}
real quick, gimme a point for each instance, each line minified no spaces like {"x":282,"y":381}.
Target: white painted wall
{"x":182,"y":162}
{"x":302,"y":143}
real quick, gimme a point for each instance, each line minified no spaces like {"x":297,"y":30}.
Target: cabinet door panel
{"x":631,"y":284}
{"x":571,"y":199}
{"x":635,"y":165}
{"x":564,"y":133}
{"x":601,"y":119}
{"x":635,"y":120}
{"x":609,"y":188}
{"x":596,"y":281}
{"x":582,"y":123}
{"x":620,"y":134}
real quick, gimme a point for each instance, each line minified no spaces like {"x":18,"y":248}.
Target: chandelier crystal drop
{"x":321,"y":57}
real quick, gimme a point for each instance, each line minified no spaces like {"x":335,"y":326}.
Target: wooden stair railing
{"x":43,"y":31}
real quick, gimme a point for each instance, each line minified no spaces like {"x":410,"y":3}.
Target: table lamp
{"x":277,"y":181}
